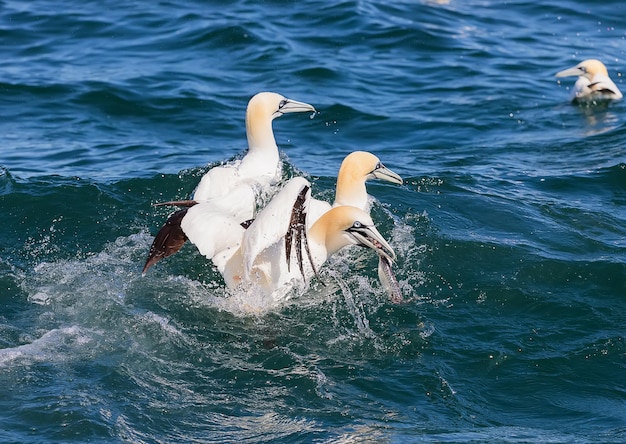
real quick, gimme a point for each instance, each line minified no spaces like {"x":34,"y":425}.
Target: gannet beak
{"x":576,"y":71}
{"x":383,"y":173}
{"x":368,"y":236}
{"x":293,"y":106}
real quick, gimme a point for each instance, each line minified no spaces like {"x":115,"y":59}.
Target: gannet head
{"x":346,"y":225}
{"x":356,"y":168}
{"x":270,"y":105}
{"x":363,"y":166}
{"x":262,"y":109}
{"x":587,"y":68}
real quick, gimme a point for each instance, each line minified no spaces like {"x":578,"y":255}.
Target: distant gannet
{"x":280,"y":231}
{"x":230,"y":190}
{"x":593,"y":82}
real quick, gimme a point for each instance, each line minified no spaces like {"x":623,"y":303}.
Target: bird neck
{"x":260,"y":134}
{"x":350,"y":190}
{"x":324,"y":239}
{"x":262,"y":157}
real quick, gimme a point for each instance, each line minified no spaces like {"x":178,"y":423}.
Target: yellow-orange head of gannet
{"x":593,"y":82}
{"x":262,"y":157}
{"x":343,"y":226}
{"x":355,"y":170}
{"x":262,"y":109}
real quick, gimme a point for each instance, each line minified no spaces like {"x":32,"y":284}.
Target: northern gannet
{"x":230,"y":190}
{"x":265,"y":254}
{"x":593,"y":84}
{"x":356,"y":168}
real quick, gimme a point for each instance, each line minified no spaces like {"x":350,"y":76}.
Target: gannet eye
{"x":378,"y":166}
{"x":282,"y":103}
{"x":357,"y":224}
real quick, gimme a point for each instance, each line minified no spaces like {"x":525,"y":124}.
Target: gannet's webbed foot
{"x":176,"y":203}
{"x":297,"y":230}
{"x":168,"y":240}
{"x":389,"y":281}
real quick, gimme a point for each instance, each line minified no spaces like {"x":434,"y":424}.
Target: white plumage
{"x":264,"y":260}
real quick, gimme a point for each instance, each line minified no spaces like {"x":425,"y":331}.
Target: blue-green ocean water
{"x":510,"y":228}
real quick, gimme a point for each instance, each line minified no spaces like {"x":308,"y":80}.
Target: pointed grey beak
{"x":293,"y":106}
{"x":571,"y":72}
{"x":383,"y":173}
{"x":368,"y":236}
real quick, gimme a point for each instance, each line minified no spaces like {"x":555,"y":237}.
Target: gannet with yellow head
{"x":266,"y":252}
{"x":356,"y":169}
{"x":260,"y":164}
{"x":593,"y":84}
{"x":229,"y":192}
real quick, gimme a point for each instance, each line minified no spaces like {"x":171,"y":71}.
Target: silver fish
{"x":389,"y":281}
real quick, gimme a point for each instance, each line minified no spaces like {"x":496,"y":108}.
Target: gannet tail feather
{"x":168,"y":240}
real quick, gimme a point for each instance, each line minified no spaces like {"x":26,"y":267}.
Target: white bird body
{"x":263,"y":258}
{"x":230,"y":191}
{"x":593,"y":83}
{"x":214,"y":226}
{"x":219,"y":182}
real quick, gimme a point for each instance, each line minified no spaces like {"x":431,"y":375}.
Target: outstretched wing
{"x":211,"y":230}
{"x":168,"y":241}
{"x":274,"y":222}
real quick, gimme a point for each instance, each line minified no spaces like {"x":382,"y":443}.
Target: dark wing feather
{"x":176,"y":203}
{"x":297,"y":232}
{"x":168,"y":240}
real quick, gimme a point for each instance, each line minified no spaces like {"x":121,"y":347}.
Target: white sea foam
{"x":81,"y":289}
{"x":58,"y":344}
